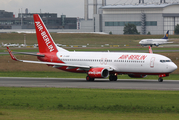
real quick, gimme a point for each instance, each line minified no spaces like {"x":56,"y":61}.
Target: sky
{"x":70,"y":8}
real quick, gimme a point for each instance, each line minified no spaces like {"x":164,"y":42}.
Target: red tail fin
{"x":45,"y":41}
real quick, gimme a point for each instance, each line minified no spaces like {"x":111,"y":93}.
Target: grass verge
{"x":118,"y":49}
{"x":30,"y":114}
{"x":68,"y":103}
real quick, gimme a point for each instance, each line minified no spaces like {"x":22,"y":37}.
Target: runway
{"x":98,"y":84}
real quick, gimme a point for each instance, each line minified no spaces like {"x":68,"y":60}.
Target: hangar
{"x":155,"y":18}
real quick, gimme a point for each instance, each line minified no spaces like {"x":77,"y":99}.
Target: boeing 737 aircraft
{"x":156,"y":42}
{"x":97,"y":64}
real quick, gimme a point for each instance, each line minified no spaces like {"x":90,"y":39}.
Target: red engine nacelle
{"x":98,"y":73}
{"x":136,"y":76}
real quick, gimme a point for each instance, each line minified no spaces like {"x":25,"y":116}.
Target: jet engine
{"x":98,"y":73}
{"x":136,"y":76}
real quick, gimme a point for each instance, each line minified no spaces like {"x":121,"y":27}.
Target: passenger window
{"x":167,"y":60}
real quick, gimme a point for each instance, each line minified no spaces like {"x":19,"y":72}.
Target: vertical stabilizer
{"x":45,"y":41}
{"x":166,"y":35}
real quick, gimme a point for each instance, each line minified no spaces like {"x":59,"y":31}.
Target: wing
{"x":33,"y":54}
{"x":168,"y":42}
{"x":57,"y":65}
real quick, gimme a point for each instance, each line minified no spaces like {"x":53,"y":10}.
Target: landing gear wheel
{"x":160,"y":80}
{"x":88,"y":78}
{"x":113,"y":78}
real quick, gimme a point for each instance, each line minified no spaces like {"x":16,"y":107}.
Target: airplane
{"x":9,"y":45}
{"x":97,"y":64}
{"x":4,"y":45}
{"x":156,"y":42}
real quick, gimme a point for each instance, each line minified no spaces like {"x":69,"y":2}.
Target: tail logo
{"x":166,"y":35}
{"x":45,"y":37}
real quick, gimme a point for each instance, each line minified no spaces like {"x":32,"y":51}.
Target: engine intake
{"x":98,"y":73}
{"x":136,"y":76}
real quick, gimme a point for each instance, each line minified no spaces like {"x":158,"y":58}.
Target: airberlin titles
{"x":45,"y":37}
{"x":133,"y":57}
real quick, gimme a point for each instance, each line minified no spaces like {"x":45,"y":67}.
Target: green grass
{"x":28,"y":103}
{"x":99,"y":100}
{"x":64,"y":103}
{"x":124,"y":49}
{"x":30,"y":114}
{"x":62,"y":74}
{"x":81,"y":39}
{"x":104,"y":104}
{"x":98,"y":49}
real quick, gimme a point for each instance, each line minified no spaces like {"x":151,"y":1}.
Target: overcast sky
{"x":70,"y":8}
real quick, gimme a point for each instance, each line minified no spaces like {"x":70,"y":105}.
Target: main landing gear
{"x":113,"y":77}
{"x":160,"y":79}
{"x":88,"y":78}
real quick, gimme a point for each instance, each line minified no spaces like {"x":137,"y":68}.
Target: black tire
{"x":113,"y":78}
{"x":110,"y":78}
{"x":88,"y":78}
{"x":160,"y":80}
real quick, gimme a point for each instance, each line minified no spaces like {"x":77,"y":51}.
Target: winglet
{"x":12,"y":56}
{"x":150,"y":50}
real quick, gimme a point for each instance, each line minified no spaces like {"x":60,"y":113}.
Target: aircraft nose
{"x":173,"y":67}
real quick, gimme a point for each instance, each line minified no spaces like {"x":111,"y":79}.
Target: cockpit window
{"x":163,"y":61}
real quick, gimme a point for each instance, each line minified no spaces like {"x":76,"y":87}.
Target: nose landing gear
{"x":160,"y":79}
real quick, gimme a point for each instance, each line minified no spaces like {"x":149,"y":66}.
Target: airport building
{"x":25,"y":21}
{"x":5,"y":19}
{"x":155,"y":18}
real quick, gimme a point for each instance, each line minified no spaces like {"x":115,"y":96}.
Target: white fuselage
{"x":121,"y":62}
{"x":156,"y":42}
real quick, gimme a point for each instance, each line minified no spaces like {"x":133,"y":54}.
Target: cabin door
{"x":152,"y":62}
